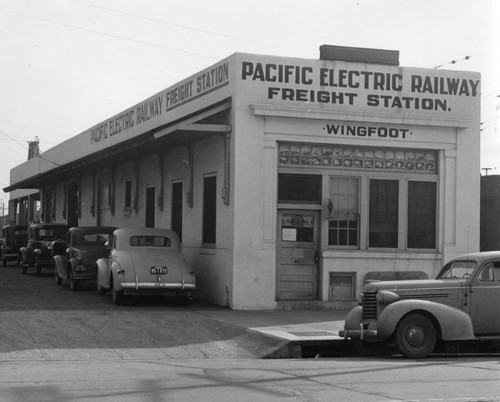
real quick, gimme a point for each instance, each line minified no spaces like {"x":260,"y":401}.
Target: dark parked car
{"x":45,"y":240}
{"x":13,"y":238}
{"x":461,"y":304}
{"x":85,"y":246}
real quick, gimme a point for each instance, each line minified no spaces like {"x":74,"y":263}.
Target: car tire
{"x":101,"y":291}
{"x":117,"y":295}
{"x":415,"y":336}
{"x":58,"y":278}
{"x":73,"y":283}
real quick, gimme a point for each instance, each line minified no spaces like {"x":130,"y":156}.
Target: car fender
{"x":23,"y":251}
{"x":454,"y":323}
{"x":61,"y":263}
{"x":118,"y":275}
{"x":103,"y":272}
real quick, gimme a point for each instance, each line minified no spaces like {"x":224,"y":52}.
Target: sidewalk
{"x":291,"y":325}
{"x":294,"y":331}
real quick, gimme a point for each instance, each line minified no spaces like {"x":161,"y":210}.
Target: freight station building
{"x":291,"y":182}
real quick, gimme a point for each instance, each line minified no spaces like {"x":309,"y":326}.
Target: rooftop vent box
{"x":359,"y":55}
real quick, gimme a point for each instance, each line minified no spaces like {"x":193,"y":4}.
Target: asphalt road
{"x":59,"y":345}
{"x":44,"y":321}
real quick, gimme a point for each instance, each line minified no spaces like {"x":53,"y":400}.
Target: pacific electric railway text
{"x":358,"y":80}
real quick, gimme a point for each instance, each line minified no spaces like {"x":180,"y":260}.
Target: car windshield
{"x":457,"y":270}
{"x":90,"y":239}
{"x":51,"y":233}
{"x":149,"y":241}
{"x":20,"y":233}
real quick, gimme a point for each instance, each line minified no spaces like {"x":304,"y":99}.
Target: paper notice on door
{"x":289,"y":234}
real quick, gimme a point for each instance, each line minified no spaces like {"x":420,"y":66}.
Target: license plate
{"x":159,"y":270}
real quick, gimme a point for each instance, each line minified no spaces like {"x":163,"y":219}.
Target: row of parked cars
{"x":122,"y":261}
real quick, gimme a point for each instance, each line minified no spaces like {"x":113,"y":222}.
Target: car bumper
{"x":84,"y":276}
{"x":8,"y":256}
{"x":361,"y":333}
{"x":131,"y":288}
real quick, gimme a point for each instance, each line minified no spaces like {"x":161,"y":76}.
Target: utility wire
{"x":223,"y":35}
{"x":26,"y":148}
{"x":108,"y":34}
{"x":466,"y":57}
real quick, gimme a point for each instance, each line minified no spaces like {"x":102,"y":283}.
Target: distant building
{"x":290,"y":181}
{"x":490,"y":213}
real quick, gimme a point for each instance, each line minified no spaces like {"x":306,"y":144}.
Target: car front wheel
{"x":415,"y":336}
{"x":58,"y":278}
{"x":100,"y":290}
{"x":73,"y":283}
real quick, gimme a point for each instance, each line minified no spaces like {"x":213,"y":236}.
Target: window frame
{"x":358,"y":212}
{"x":127,"y":202}
{"x":436,"y":216}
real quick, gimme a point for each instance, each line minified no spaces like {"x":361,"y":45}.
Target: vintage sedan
{"x":461,"y":304}
{"x":13,"y":238}
{"x":45,"y":240}
{"x":145,"y":261}
{"x":85,"y":246}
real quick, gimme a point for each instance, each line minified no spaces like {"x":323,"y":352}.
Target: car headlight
{"x":80,"y":268}
{"x":387,"y":297}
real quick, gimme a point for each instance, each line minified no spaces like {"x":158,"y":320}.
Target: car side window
{"x":490,"y":272}
{"x":149,"y":241}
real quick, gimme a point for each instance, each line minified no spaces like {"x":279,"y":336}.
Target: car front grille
{"x":369,"y":305}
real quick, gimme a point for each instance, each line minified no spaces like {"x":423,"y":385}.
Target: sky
{"x":67,"y":65}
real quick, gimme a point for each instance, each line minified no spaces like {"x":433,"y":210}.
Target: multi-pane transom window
{"x":343,"y":211}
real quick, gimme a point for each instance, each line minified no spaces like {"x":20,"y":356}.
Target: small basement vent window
{"x":342,"y":285}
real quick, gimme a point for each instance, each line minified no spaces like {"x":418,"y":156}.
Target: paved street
{"x":43,"y":321}
{"x":59,"y":345}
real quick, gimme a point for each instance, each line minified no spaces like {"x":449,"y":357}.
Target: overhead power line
{"x":159,"y":21}
{"x":466,"y":58}
{"x":108,"y":34}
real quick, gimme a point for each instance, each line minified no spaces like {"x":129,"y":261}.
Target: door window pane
{"x":297,"y":228}
{"x":422,"y":214}
{"x":383,"y":230}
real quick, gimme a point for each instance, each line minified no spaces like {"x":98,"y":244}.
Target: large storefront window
{"x":372,"y":198}
{"x":384,"y":211}
{"x":422,"y":214}
{"x":343,"y":220}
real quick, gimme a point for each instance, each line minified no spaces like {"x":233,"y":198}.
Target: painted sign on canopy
{"x":155,"y":109}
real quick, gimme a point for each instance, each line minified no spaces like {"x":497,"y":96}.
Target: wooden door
{"x":298,"y":245}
